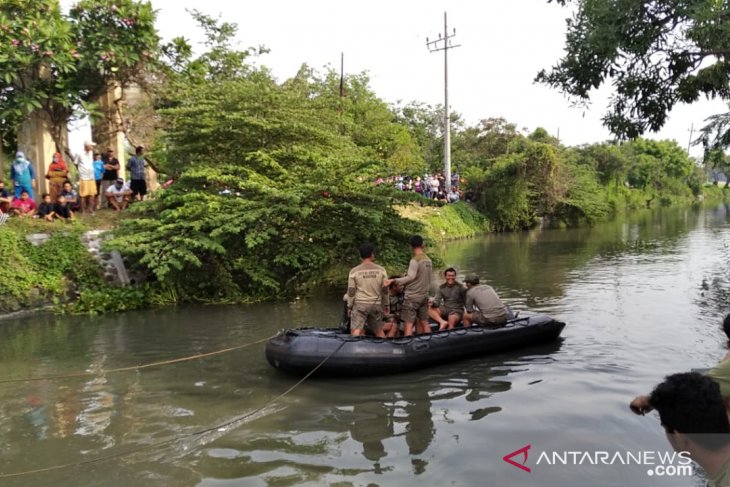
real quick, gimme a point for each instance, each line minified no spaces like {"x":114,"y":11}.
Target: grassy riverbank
{"x":59,"y":274}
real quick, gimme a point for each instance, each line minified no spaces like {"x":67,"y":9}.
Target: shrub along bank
{"x":59,"y":274}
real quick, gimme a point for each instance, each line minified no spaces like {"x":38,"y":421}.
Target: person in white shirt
{"x":87,"y":181}
{"x":118,"y":195}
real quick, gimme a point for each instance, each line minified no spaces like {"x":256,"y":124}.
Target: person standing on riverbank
{"x":135,"y":165}
{"x":111,"y":173}
{"x":57,"y":174}
{"x":417,"y":282}
{"x":87,"y":182}
{"x":23,"y":175}
{"x":367,"y":294}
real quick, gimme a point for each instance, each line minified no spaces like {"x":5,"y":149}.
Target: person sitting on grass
{"x":62,"y":209}
{"x":71,"y":196}
{"x":23,"y":206}
{"x":46,"y":209}
{"x":118,"y":195}
{"x":5,"y":198}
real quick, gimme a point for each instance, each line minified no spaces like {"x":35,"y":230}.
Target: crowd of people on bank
{"x":98,"y":186}
{"x":400,"y":306}
{"x":431,"y":186}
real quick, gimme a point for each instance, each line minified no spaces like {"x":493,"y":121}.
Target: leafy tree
{"x":717,"y":161}
{"x":37,"y":62}
{"x":610,"y":161}
{"x":519,"y":187}
{"x":426,"y":125}
{"x":269,"y":193}
{"x":59,"y":65}
{"x":655,"y":54}
{"x":366,"y":119}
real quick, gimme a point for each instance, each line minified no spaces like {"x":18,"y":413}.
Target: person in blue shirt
{"x":23,"y":175}
{"x":98,"y":173}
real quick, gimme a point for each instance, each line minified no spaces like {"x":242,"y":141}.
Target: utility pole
{"x":444,"y":44}
{"x":342,"y":75}
{"x":691,"y":130}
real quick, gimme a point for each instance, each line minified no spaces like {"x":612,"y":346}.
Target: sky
{"x":503,"y":44}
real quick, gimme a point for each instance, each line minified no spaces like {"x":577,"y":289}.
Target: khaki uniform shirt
{"x":721,"y":478}
{"x":418,"y":279}
{"x":453,"y":298}
{"x":365,"y":285}
{"x":720,"y":373}
{"x":484,"y":298}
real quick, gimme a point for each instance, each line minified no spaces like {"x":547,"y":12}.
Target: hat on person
{"x":472,"y":279}
{"x":120,"y":180}
{"x":90,"y":143}
{"x":19,"y":155}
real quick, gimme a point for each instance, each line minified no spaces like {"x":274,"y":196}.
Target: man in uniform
{"x":367,"y":294}
{"x":489,"y":308}
{"x":417,"y":283}
{"x":448,"y":306}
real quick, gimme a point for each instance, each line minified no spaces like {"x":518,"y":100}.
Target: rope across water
{"x":87,"y":373}
{"x":171,"y":440}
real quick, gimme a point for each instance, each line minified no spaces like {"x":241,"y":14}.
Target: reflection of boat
{"x":299,"y":351}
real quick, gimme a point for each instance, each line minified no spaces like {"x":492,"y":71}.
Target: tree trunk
{"x":2,"y":159}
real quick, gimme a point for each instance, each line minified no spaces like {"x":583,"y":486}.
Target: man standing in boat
{"x":417,"y":283}
{"x":490,"y":310}
{"x":367,"y":294}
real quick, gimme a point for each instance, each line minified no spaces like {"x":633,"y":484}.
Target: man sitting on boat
{"x":447,"y":308}
{"x":393,"y":325}
{"x":366,"y":294}
{"x":483,"y":306}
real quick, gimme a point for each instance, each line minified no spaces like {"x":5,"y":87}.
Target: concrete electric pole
{"x":444,"y":44}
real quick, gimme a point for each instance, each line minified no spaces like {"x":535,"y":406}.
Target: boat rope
{"x":87,"y":373}
{"x":171,"y":440}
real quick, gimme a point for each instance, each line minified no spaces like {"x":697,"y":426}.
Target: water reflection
{"x":642,"y":298}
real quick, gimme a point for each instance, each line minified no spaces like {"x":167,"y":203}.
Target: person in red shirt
{"x":23,"y":206}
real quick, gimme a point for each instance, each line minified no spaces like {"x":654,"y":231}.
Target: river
{"x":642,"y":297}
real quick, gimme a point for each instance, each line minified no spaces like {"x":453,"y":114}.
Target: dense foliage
{"x":274,"y":181}
{"x":58,"y":65}
{"x":59,"y":273}
{"x":273,"y":185}
{"x":656,"y":54}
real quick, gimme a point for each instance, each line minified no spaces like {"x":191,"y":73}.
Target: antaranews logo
{"x":659,"y":463}
{"x":521,"y":452}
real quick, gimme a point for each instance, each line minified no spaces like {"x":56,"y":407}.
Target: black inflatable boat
{"x":301,"y":350}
